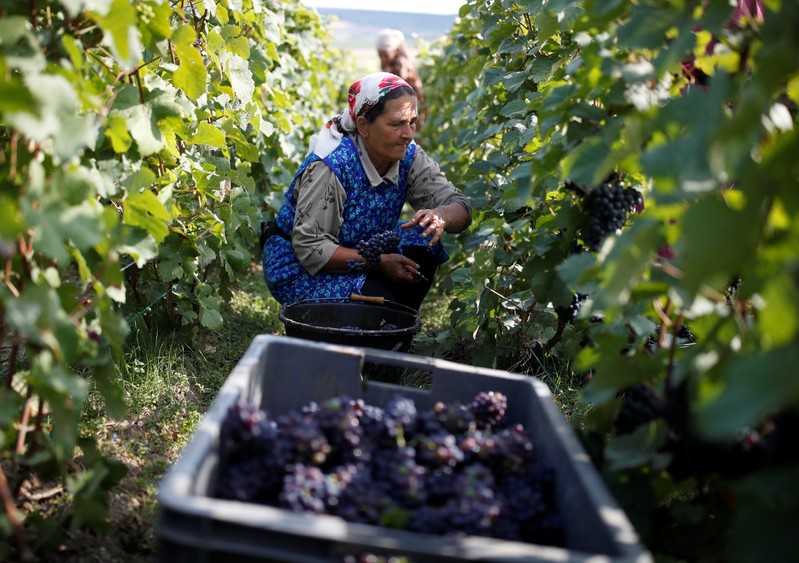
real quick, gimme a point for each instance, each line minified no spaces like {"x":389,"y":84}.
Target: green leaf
{"x":146,"y":211}
{"x":207,"y":134}
{"x":56,"y":224}
{"x":779,"y":318}
{"x":144,"y":129}
{"x":625,"y":265}
{"x":211,"y":319}
{"x":710,"y":229}
{"x":64,"y":393}
{"x":752,"y":388}
{"x":647,"y":26}
{"x":240,"y":76}
{"x":584,"y":165}
{"x":16,"y":98}
{"x":12,"y":29}
{"x":141,"y":246}
{"x":119,"y":24}
{"x":613,"y":371}
{"x":157,"y":26}
{"x":514,"y":109}
{"x":546,"y":24}
{"x":637,"y":449}
{"x":117,"y":132}
{"x":191,"y":75}
{"x":11,"y":221}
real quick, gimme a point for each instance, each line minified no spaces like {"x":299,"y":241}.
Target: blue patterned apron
{"x":367,"y":210}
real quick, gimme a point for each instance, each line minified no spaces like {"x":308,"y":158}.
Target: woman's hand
{"x":399,"y":268}
{"x":432,"y":220}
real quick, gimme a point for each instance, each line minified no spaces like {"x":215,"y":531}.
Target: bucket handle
{"x":378,"y":300}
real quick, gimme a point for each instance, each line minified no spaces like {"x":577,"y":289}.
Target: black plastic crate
{"x":281,"y":373}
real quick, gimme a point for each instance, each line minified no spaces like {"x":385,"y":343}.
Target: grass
{"x":169,"y":379}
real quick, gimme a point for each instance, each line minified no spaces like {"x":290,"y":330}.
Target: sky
{"x":443,"y":7}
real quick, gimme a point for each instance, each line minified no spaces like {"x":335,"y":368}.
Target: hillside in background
{"x":355,"y":30}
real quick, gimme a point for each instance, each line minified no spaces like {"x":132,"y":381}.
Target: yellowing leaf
{"x":117,"y":133}
{"x":207,"y":134}
{"x":190,"y":75}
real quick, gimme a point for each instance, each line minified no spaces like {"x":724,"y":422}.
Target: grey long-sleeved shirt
{"x":321,"y":197}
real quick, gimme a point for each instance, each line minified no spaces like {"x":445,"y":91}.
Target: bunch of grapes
{"x":452,"y":469}
{"x":568,"y":314}
{"x":608,"y":208}
{"x":685,"y":337}
{"x":640,"y":405}
{"x":371,"y":249}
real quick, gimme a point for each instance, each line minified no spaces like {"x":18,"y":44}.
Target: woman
{"x":395,"y":58}
{"x":361,"y":170}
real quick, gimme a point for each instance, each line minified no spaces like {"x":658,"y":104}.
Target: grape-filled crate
{"x":300,"y":459}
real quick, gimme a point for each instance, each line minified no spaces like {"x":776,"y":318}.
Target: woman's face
{"x":388,"y":137}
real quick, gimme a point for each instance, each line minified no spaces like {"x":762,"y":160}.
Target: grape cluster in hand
{"x":452,"y":469}
{"x":608,"y":208}
{"x":371,"y":249}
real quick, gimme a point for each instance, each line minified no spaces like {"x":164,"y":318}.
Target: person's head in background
{"x":390,"y":43}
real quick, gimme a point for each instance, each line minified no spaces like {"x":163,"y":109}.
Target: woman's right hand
{"x":399,"y":268}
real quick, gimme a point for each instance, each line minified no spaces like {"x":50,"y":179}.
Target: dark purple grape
{"x":640,"y":405}
{"x":489,"y":408}
{"x":607,"y":208}
{"x":451,"y":469}
{"x":386,"y":242}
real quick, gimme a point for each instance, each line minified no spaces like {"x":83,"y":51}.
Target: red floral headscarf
{"x":363,"y":95}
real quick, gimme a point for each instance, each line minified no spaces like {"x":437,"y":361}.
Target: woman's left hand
{"x":433,"y":222}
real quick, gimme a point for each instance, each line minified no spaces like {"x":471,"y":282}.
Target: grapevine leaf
{"x":514,"y":108}
{"x":11,"y":221}
{"x":646,"y":27}
{"x":191,"y":74}
{"x":114,"y":327}
{"x":64,"y":394}
{"x":626,"y":263}
{"x":637,"y":449}
{"x":56,"y":98}
{"x":210,"y":318}
{"x":157,"y":26}
{"x":235,"y":42}
{"x":207,"y":134}
{"x":585,"y":164}
{"x":56,"y":224}
{"x":117,"y":133}
{"x":546,"y":23}
{"x":612,"y":371}
{"x":145,"y":211}
{"x":710,"y":228}
{"x":240,"y":76}
{"x":779,"y":318}
{"x":752,"y":388}
{"x":119,"y":23}
{"x":144,"y":129}
{"x":74,"y":134}
{"x":141,"y":246}
{"x":10,"y":403}
{"x":16,"y":98}
{"x":12,"y":29}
